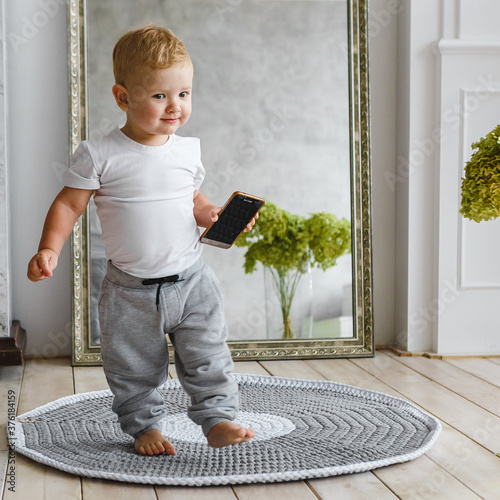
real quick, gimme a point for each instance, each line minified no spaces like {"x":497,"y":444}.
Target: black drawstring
{"x":160,"y":282}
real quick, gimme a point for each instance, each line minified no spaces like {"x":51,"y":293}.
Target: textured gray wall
{"x":270,"y":106}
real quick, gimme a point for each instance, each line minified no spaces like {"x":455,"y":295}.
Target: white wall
{"x":383,"y":75}
{"x":5,"y":288}
{"x":468,"y":278}
{"x":448,"y":97}
{"x":38,"y":137}
{"x":37,"y":130}
{"x":415,"y":180}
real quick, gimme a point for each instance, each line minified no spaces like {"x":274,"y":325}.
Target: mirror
{"x":281,"y":106}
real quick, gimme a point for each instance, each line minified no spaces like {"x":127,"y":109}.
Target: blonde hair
{"x":152,"y":47}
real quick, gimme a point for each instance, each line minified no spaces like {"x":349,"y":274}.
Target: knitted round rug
{"x":304,"y":429}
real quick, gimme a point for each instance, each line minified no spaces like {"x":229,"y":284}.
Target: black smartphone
{"x":238,"y":211}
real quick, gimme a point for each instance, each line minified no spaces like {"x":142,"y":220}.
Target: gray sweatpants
{"x":135,"y":353}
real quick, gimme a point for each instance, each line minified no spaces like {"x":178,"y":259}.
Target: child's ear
{"x":120,"y":94}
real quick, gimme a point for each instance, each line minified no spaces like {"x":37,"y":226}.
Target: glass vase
{"x":289,"y":302}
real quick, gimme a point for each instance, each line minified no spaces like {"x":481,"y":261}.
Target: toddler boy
{"x":146,"y":182}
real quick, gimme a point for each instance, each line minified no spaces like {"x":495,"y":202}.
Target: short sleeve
{"x":82,"y":173}
{"x":200,"y":171}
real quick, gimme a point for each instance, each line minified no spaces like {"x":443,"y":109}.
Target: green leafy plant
{"x":481,"y":185}
{"x":289,"y":244}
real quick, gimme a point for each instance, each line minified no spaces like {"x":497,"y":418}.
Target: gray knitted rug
{"x":304,"y":429}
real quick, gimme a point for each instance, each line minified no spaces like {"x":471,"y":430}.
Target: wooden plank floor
{"x":463,"y":393}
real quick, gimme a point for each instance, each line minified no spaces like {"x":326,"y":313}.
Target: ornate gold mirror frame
{"x":362,"y":342}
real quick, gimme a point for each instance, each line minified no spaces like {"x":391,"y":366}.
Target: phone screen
{"x":232,"y":220}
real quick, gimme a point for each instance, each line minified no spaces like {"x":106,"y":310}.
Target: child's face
{"x":157,"y":102}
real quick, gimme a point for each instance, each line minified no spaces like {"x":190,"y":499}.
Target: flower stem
{"x":286,"y":284}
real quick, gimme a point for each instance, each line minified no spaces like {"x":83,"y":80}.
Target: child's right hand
{"x":42,"y":264}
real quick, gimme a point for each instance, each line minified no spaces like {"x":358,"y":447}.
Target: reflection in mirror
{"x":271,"y":105}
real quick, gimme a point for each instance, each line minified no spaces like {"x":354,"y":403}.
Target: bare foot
{"x":153,"y":443}
{"x":226,"y":433}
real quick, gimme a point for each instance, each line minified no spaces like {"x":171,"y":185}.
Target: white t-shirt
{"x":144,"y":199}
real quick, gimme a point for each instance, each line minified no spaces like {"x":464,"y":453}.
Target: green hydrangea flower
{"x":288,"y":244}
{"x":481,"y":185}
